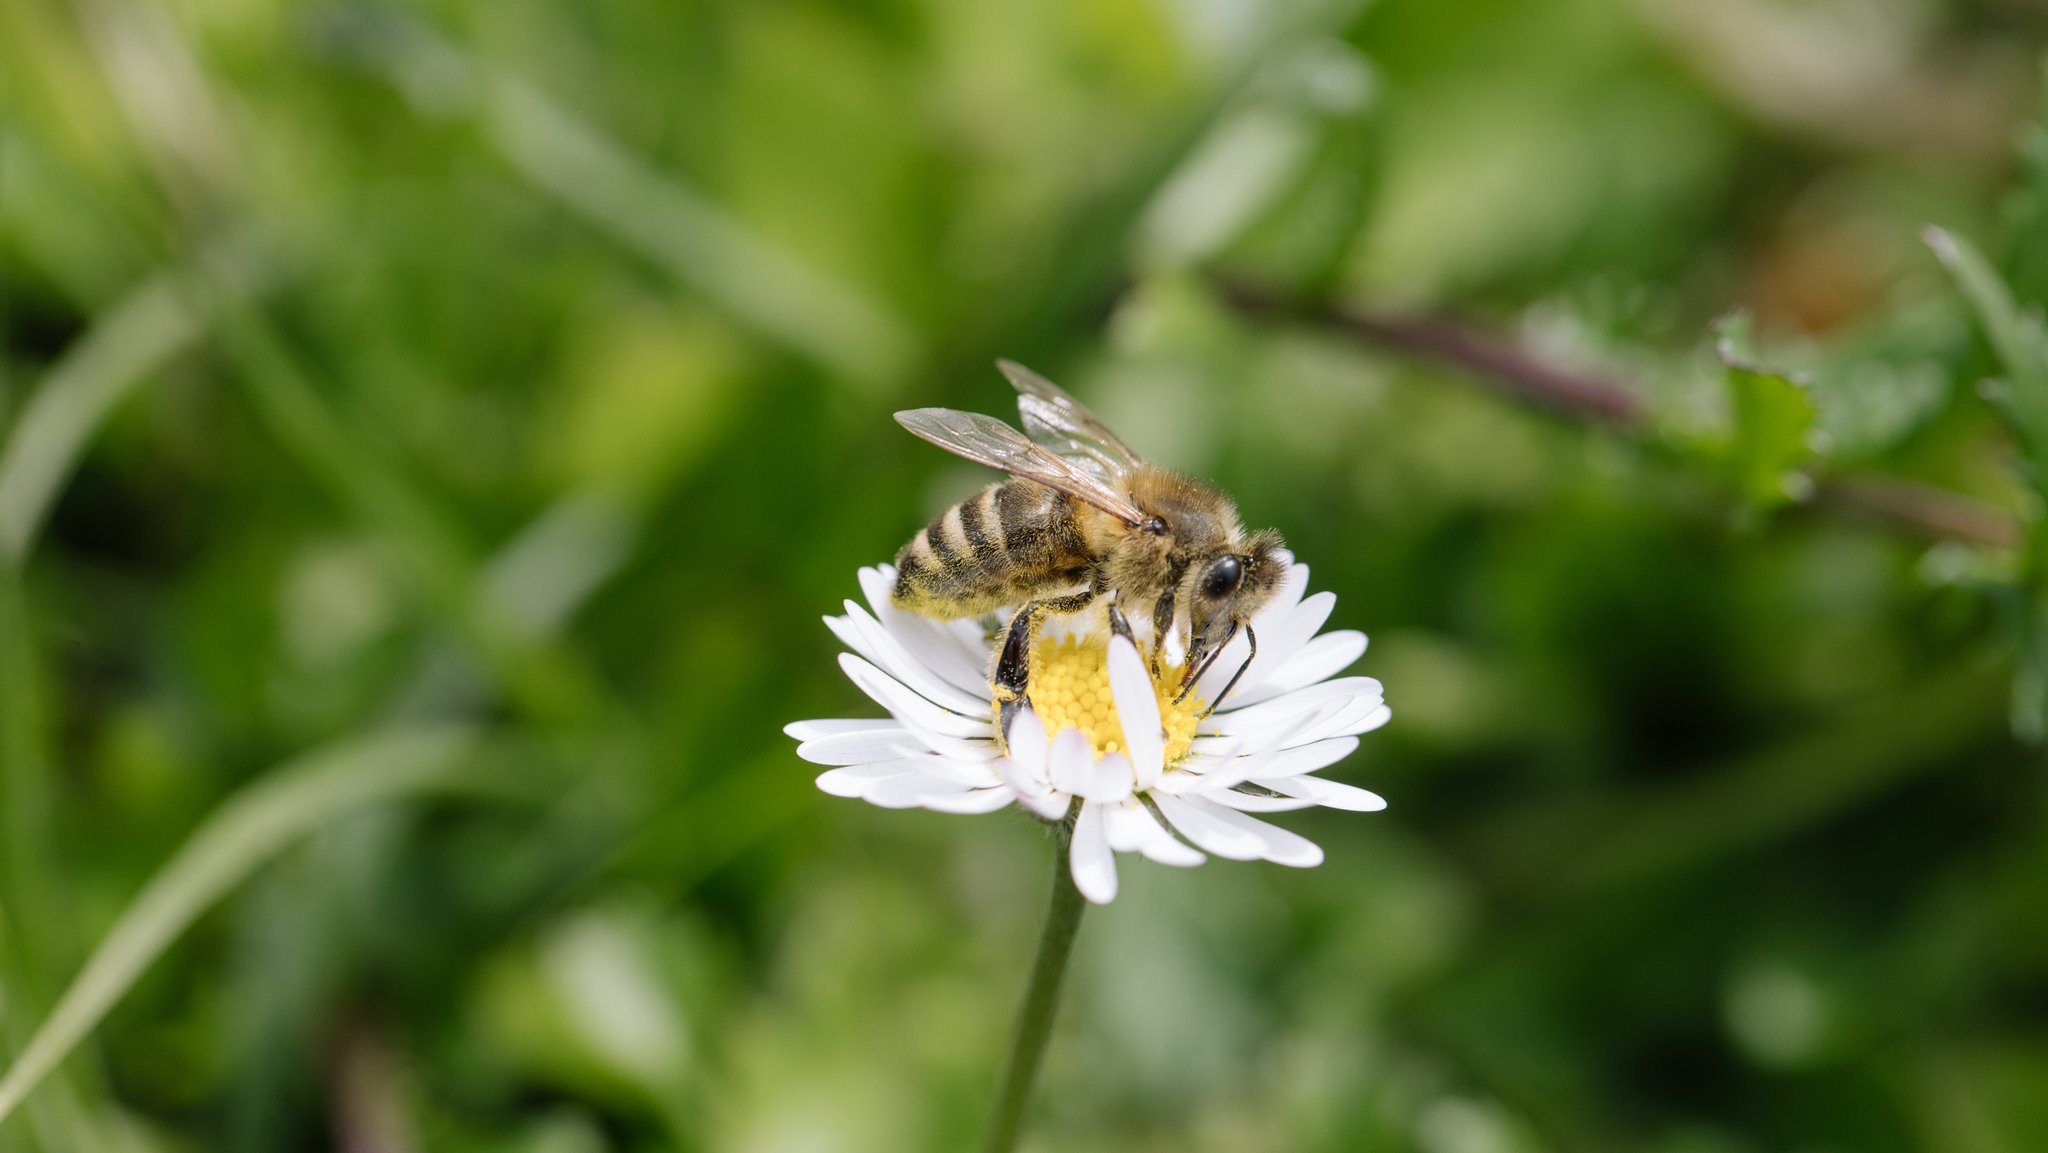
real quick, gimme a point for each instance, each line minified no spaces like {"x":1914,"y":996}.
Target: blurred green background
{"x":430,"y":436}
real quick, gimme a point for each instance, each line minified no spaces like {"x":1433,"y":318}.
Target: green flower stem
{"x":1041,"y":1000}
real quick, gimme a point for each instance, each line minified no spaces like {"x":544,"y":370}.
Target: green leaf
{"x":1772,"y":417}
{"x":252,"y":827}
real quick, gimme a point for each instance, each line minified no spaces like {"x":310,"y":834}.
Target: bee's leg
{"x":1120,"y":625}
{"x":1199,"y":662}
{"x":1162,"y":627}
{"x":1013,"y":667}
{"x":1252,"y":639}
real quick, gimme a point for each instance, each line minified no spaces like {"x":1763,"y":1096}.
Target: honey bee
{"x":1081,"y":518}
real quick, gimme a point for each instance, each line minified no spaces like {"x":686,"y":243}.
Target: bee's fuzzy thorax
{"x":1197,"y":516}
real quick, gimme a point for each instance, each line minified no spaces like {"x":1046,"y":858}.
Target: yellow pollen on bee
{"x":1069,"y":689}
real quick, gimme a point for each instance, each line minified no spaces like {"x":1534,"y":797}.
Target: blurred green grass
{"x":526,"y":368}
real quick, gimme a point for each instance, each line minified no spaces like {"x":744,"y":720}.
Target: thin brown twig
{"x":1923,"y":508}
{"x":1500,"y":363}
{"x":1512,"y":370}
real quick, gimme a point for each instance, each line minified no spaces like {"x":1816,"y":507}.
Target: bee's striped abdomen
{"x":1000,"y":546}
{"x":980,"y":527}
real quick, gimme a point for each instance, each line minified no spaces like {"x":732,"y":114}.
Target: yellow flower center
{"x":1070,"y":690}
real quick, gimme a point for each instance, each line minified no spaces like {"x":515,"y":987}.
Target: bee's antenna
{"x":1253,"y":639}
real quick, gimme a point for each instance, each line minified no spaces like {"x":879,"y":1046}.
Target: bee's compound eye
{"x":1223,"y":577}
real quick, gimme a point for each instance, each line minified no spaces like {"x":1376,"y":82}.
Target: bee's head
{"x":1224,"y":590}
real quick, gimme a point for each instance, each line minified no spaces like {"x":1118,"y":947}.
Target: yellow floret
{"x":1069,"y":689}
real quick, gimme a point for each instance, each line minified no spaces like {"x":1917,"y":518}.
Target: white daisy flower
{"x":1169,"y":779}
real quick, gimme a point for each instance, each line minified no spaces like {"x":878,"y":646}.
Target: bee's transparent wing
{"x":1059,"y":422}
{"x":989,"y":441}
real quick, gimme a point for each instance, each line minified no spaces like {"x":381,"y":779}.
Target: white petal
{"x":1256,"y":803}
{"x":1122,"y":833}
{"x":1292,"y":588}
{"x":877,"y":771}
{"x":1137,"y":709}
{"x":856,"y":780}
{"x":1196,"y":822}
{"x":1330,"y":794}
{"x":954,"y":650}
{"x":974,"y":801}
{"x":1071,"y":761}
{"x":978,"y":752}
{"x":1023,"y":779}
{"x":1109,"y":779}
{"x":812,"y":730}
{"x":1361,"y":716}
{"x":1281,"y":639}
{"x":876,"y":581}
{"x":1212,"y":749}
{"x":1277,"y":844}
{"x":1185,"y":783}
{"x":861,"y":748}
{"x":1374,"y":720}
{"x":1028,"y":768}
{"x":1176,"y":650}
{"x":1130,"y":827}
{"x":862,"y":780}
{"x":973,"y":774}
{"x":1027,"y":743}
{"x":863,"y":634}
{"x":1226,"y":722}
{"x":1318,"y":660}
{"x":912,"y":790}
{"x":1280,"y":763}
{"x":1277,"y":626}
{"x":1204,"y":761}
{"x":1050,"y":805}
{"x":1309,"y":758}
{"x":907,"y":706}
{"x":1278,"y":732}
{"x":1094,"y":866}
{"x":1306,"y":618}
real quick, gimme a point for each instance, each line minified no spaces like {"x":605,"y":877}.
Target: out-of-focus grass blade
{"x":250,"y":828}
{"x":133,"y":337}
{"x":1091,"y":253}
{"x":1781,"y":791}
{"x":695,"y":240}
{"x":24,"y":763}
{"x":31,"y":926}
{"x":546,"y":680}
{"x":656,"y":214}
{"x":1294,"y":160}
{"x":539,"y":577}
{"x":167,"y":95}
{"x":141,"y":331}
